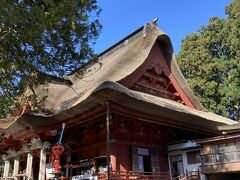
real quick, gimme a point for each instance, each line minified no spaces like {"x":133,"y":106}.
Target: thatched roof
{"x":233,"y":128}
{"x":100,"y":81}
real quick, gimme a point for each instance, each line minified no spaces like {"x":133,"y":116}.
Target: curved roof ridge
{"x":125,"y":58}
{"x":184,"y":84}
{"x":122,"y":59}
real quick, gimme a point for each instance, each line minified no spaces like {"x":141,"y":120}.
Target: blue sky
{"x":177,"y":18}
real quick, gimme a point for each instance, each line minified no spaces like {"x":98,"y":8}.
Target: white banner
{"x":85,"y":177}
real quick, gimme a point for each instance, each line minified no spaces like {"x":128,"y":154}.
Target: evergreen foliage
{"x":40,"y":37}
{"x":210,"y":61}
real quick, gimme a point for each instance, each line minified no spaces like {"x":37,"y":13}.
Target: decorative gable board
{"x":155,"y":77}
{"x":158,"y":85}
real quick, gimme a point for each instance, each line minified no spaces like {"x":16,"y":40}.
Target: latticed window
{"x":226,"y":147}
{"x":227,"y":152}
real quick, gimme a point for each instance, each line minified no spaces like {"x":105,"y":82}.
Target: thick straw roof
{"x":100,"y":82}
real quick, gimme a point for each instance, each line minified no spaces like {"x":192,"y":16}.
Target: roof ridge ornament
{"x":148,"y":27}
{"x":155,"y":20}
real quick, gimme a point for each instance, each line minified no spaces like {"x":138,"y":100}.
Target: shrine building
{"x":128,"y":115}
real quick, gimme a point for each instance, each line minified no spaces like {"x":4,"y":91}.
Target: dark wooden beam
{"x":108,"y":138}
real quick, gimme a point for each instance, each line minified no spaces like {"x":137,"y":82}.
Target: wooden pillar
{"x":42,"y":164}
{"x":68,"y":161}
{"x":108,"y":138}
{"x":16,"y":167}
{"x":113,"y":156}
{"x":6,"y":168}
{"x":29,"y":165}
{"x":113,"y":162}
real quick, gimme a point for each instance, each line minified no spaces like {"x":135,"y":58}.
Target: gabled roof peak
{"x":142,"y":31}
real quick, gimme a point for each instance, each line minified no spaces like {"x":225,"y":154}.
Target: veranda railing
{"x":121,"y":175}
{"x":219,"y":158}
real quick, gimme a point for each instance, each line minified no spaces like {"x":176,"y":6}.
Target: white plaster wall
{"x":203,"y":177}
{"x":186,"y":166}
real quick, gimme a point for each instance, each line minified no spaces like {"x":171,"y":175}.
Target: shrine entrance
{"x":176,"y":165}
{"x":147,"y":166}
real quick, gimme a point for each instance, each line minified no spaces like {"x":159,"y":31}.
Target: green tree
{"x":210,"y":60}
{"x":40,"y":37}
